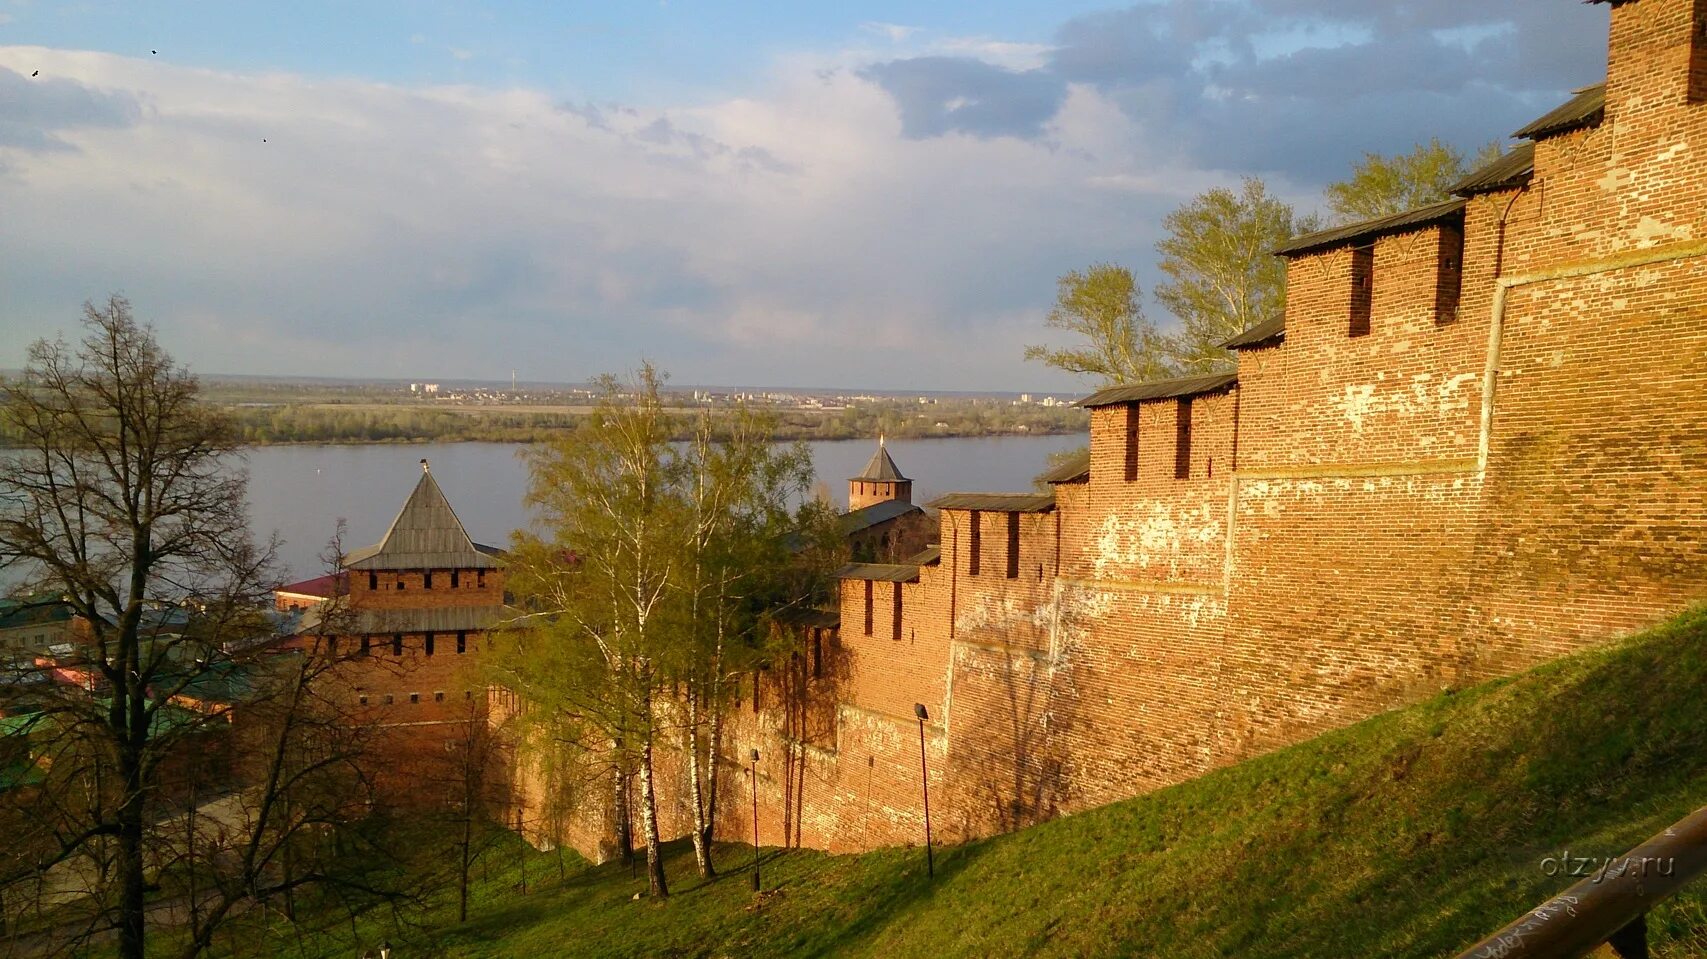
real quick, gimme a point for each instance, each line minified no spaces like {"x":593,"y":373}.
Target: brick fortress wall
{"x":1350,"y":527}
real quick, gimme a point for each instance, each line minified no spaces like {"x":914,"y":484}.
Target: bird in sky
{"x":35,"y":73}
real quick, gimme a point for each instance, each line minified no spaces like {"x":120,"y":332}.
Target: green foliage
{"x":1102,"y":306}
{"x":646,"y":593}
{"x":1223,"y":276}
{"x":1384,"y":185}
{"x":1412,"y":834}
{"x":407,"y":423}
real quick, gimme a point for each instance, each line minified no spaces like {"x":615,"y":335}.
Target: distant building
{"x":882,"y":523}
{"x":30,"y":627}
{"x":310,"y":592}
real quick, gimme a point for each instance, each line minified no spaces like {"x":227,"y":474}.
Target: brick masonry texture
{"x":1348,"y":529}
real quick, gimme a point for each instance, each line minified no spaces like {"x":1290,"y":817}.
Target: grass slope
{"x":1411,"y":834}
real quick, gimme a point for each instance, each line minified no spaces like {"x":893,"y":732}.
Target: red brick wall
{"x":417,"y":702}
{"x":407,"y":589}
{"x":1351,"y":530}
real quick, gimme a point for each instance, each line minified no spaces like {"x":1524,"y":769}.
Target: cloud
{"x":36,"y":111}
{"x":798,"y":236}
{"x":853,"y":218}
{"x":895,"y":32}
{"x":938,"y":95}
{"x":1288,"y":87}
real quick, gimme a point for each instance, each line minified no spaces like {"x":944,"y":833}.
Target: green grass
{"x":1411,"y":834}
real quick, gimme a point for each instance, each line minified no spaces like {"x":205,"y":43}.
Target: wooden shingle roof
{"x":425,"y":535}
{"x":880,"y":572}
{"x":1267,"y":331}
{"x":1071,"y":470}
{"x":880,"y":468}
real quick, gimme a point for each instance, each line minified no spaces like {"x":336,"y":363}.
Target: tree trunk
{"x":133,"y":909}
{"x":649,"y":821}
{"x":620,"y":805}
{"x":713,"y":749}
{"x":462,"y":873}
{"x":701,"y":824}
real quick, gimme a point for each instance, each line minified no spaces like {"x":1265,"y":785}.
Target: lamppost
{"x":753,"y":773}
{"x":925,"y":779}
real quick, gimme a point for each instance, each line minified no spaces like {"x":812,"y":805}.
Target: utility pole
{"x":753,"y":770}
{"x":925,"y":778}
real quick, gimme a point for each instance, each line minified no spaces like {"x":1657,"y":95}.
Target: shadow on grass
{"x":1439,"y":837}
{"x":893,"y":900}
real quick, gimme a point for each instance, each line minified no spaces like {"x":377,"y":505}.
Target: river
{"x":301,"y":491}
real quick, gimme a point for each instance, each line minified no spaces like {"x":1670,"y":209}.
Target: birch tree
{"x":593,"y":650}
{"x":1382,"y":185}
{"x":1222,"y":274}
{"x":747,"y":499}
{"x":1115,"y":342}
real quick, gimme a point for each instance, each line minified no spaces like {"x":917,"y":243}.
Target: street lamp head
{"x":919,"y":711}
{"x":754,"y":756}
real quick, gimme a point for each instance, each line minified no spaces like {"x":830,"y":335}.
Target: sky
{"x":852,"y":194}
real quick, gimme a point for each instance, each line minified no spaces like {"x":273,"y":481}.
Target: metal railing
{"x":1611,"y":906}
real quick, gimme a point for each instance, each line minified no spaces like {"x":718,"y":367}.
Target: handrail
{"x":1609,"y":906}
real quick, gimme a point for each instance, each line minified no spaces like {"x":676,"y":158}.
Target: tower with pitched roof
{"x":880,"y":482}
{"x":407,"y":620}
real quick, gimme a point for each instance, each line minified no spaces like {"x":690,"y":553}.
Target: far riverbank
{"x":301,"y":490}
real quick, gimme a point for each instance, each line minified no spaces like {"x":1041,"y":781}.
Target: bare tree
{"x":126,"y":498}
{"x":471,"y":795}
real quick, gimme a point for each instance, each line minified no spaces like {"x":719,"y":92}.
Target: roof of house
{"x":880,"y":468}
{"x":997,"y":502}
{"x":929,"y":556}
{"x":880,"y":572}
{"x":876,"y":514}
{"x":324,"y":587}
{"x":1160,"y":389}
{"x":1586,"y":109}
{"x":425,"y":535}
{"x":1070,"y":470}
{"x":34,"y":611}
{"x":220,"y":682}
{"x":1513,"y":169}
{"x":1269,"y":330}
{"x":1370,"y":229}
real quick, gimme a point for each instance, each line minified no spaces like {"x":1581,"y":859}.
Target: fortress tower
{"x":408,"y":618}
{"x":880,"y":482}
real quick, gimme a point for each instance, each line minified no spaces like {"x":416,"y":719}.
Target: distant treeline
{"x":404,"y":424}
